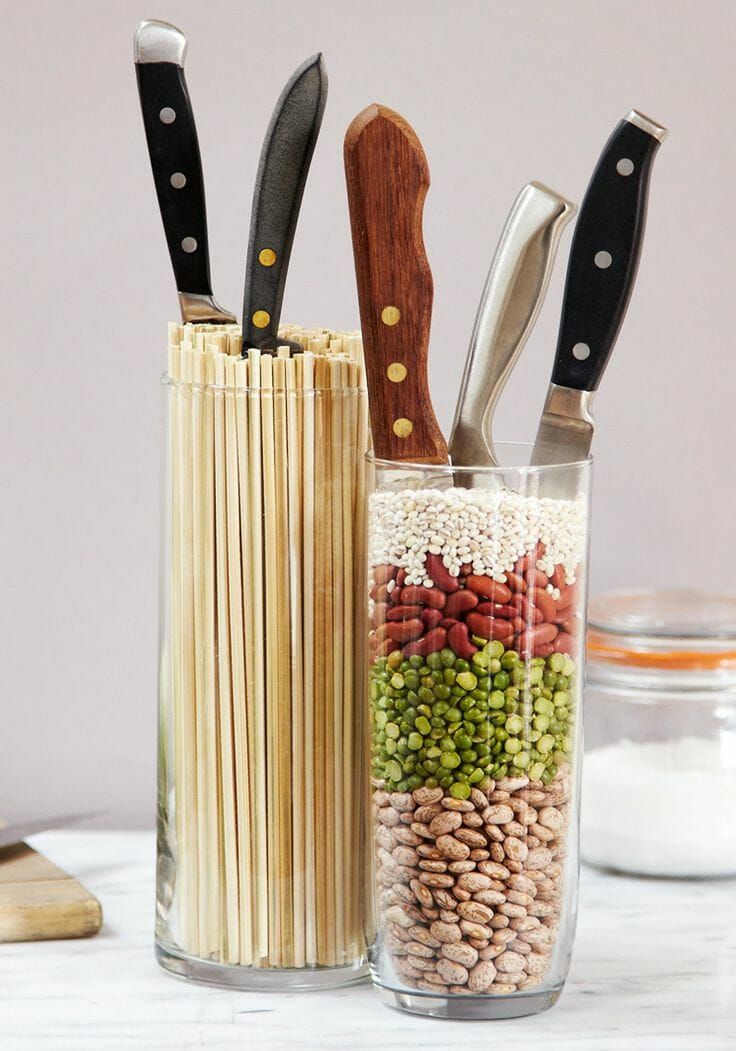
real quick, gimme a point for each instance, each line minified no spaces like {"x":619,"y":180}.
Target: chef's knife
{"x":387,"y":181}
{"x":512,"y":298}
{"x":600,"y":277}
{"x":12,"y":834}
{"x":282,"y":174}
{"x":160,"y":50}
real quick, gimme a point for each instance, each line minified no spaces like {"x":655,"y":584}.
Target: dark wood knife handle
{"x":282,"y":174}
{"x":177,"y":171}
{"x":387,"y":180}
{"x":604,"y":256}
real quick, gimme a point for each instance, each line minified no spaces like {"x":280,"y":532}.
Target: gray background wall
{"x":500,"y":93}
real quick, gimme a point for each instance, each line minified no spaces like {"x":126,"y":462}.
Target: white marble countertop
{"x":654,"y":969}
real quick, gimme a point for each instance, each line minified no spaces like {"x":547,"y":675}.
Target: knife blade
{"x":514,"y":291}
{"x":387,"y":181}
{"x":16,"y":833}
{"x":160,"y":50}
{"x":282,"y":174}
{"x":601,"y":272}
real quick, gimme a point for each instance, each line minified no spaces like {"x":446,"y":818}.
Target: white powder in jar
{"x":661,"y":808}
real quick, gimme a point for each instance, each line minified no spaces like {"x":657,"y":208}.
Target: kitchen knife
{"x":512,"y":298}
{"x":282,"y":174}
{"x":600,"y":277}
{"x":160,"y":50}
{"x":11,"y":834}
{"x":387,"y":181}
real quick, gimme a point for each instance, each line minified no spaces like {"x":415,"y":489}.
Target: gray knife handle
{"x":512,"y":298}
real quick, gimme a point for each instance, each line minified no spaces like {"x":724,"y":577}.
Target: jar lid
{"x":669,"y":629}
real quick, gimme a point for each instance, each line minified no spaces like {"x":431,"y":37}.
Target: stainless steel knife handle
{"x":512,"y":298}
{"x":160,"y":50}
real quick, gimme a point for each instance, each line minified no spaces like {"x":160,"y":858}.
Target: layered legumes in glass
{"x":477,"y":619}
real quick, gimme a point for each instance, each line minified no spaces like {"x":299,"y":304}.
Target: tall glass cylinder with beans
{"x":477,"y":597}
{"x":262,"y":675}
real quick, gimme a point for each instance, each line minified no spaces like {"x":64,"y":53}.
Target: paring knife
{"x":12,"y":834}
{"x":600,"y":277}
{"x":387,"y":181}
{"x":512,"y":298}
{"x":282,"y":173}
{"x":160,"y":50}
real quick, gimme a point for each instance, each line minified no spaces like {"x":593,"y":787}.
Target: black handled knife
{"x":160,"y":50}
{"x":282,"y":174}
{"x":604,"y":259}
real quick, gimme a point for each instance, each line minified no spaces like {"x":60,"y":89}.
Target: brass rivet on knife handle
{"x":267,"y":257}
{"x":387,"y":180}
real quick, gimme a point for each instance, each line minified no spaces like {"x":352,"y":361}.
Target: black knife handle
{"x":177,"y":171}
{"x":605,"y":252}
{"x":282,"y":174}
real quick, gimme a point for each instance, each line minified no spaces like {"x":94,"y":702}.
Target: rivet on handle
{"x":396,"y":372}
{"x":267,"y":257}
{"x":261,"y":318}
{"x":390,"y":315}
{"x":403,"y":428}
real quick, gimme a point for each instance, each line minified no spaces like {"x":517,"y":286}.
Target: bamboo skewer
{"x":263,"y":637}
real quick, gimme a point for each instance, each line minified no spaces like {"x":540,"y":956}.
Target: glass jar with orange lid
{"x":659,"y":776}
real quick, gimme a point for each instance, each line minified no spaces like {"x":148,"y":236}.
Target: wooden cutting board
{"x":38,"y":900}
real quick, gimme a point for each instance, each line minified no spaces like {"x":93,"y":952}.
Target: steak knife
{"x":387,"y":181}
{"x":282,"y":174}
{"x":512,"y":298}
{"x":601,"y":272}
{"x":160,"y":50}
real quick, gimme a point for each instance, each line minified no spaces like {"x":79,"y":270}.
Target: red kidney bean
{"x":488,"y":588}
{"x":381,"y":632}
{"x":516,"y":582}
{"x":413,"y":595}
{"x":529,"y":613}
{"x":489,"y":627}
{"x":565,"y":643}
{"x":431,"y":618}
{"x":380,"y":593}
{"x":404,"y":630}
{"x":438,"y":572}
{"x":432,"y":642}
{"x":519,"y":625}
{"x":544,"y":602}
{"x":567,"y":596}
{"x":535,"y":578}
{"x":386,"y":647}
{"x":537,"y":636}
{"x":400,"y":578}
{"x":571,"y":626}
{"x":495,"y":609}
{"x":557,"y":579}
{"x":380,"y":611}
{"x":448,"y":622}
{"x":403,"y":612}
{"x":459,"y":641}
{"x":460,"y":602}
{"x":382,"y":574}
{"x":564,"y":614}
{"x":544,"y":650}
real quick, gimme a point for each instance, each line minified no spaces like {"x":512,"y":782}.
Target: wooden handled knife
{"x":387,"y":181}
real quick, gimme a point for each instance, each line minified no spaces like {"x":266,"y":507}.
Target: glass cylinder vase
{"x":477,"y":598}
{"x":260,"y":852}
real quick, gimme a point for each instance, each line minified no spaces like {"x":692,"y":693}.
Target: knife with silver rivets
{"x":604,"y":258}
{"x":160,"y":50}
{"x":282,"y":174}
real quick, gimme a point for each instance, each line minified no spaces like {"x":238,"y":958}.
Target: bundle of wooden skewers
{"x":264,"y":643}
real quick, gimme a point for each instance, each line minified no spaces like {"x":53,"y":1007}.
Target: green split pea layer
{"x":441,"y":720}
